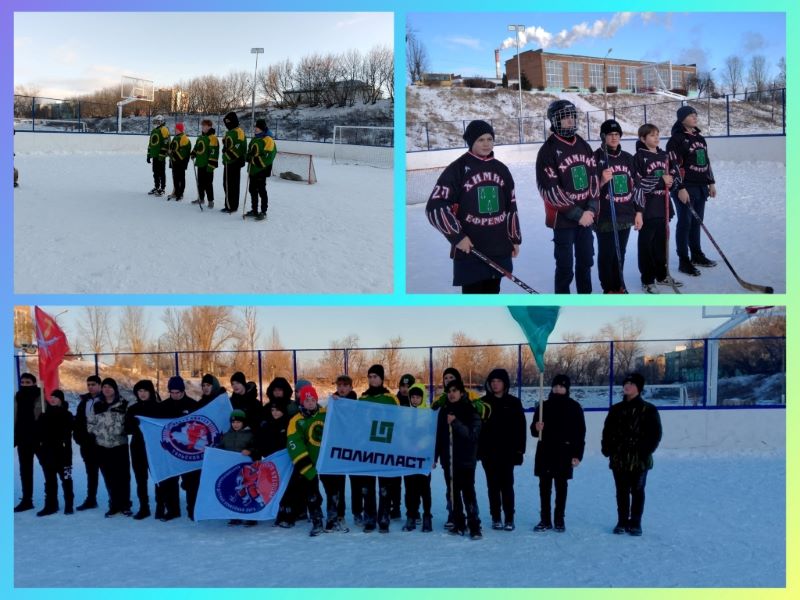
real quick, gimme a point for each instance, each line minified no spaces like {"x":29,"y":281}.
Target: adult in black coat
{"x":245,"y":397}
{"x":54,"y":450}
{"x":631,"y":433}
{"x":458,"y":429}
{"x":147,"y":405}
{"x":502,"y":446}
{"x":190,"y":481}
{"x":87,"y":442}
{"x":27,"y":408}
{"x":562,"y":437}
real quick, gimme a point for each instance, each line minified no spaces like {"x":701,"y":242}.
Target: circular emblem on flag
{"x":247,"y":488}
{"x":187,"y":437}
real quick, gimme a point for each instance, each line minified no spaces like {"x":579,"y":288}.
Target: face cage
{"x":555,"y":122}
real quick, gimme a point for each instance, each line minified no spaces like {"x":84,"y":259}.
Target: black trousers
{"x":573,"y":243}
{"x":25,"y":454}
{"x":687,"y":230}
{"x":418,"y":488}
{"x":52,"y":473}
{"x":487,"y":286}
{"x":395,"y":487}
{"x":334,"y":492}
{"x":356,"y":499}
{"x":545,"y":489}
{"x":258,"y":189}
{"x":630,"y":495}
{"x":205,"y":184}
{"x":313,"y":498}
{"x":139,"y":464}
{"x":116,"y":469}
{"x":190,"y":482}
{"x":159,"y":173}
{"x":293,"y":502}
{"x":653,"y":250}
{"x":232,"y":179}
{"x":500,"y":485}
{"x":90,"y":462}
{"x":464,"y":498}
{"x":168,"y":499}
{"x":179,"y":179}
{"x":607,"y":266}
{"x":375,"y":511}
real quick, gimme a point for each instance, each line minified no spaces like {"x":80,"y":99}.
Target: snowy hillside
{"x":715,"y":516}
{"x":435,"y":116}
{"x":83,"y":223}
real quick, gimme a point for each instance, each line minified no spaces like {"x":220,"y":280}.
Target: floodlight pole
{"x":708,"y":91}
{"x":517,"y":29}
{"x":605,"y":85}
{"x":255,"y":51}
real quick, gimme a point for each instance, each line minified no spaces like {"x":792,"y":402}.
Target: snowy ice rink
{"x":83,"y":223}
{"x":747,"y":219}
{"x":715,"y":516}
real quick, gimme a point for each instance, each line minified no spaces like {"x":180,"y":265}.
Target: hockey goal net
{"x":363,"y":145}
{"x":291,"y":165}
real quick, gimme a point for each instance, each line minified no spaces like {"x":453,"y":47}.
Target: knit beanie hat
{"x":407,"y":379}
{"x":261,"y":124}
{"x":562,"y":380}
{"x":377,"y":370}
{"x":238,"y":376}
{"x":238,"y":415}
{"x":685,"y":111}
{"x":231,"y":120}
{"x":175,"y":383}
{"x":636,"y":379}
{"x":475,"y":130}
{"x":179,"y":127}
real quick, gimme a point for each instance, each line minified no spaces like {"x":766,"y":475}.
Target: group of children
{"x":607,"y":190}
{"x":489,"y":429}
{"x":258,"y":155}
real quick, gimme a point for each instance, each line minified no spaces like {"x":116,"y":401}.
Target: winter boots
{"x":411,"y":524}
{"x":497,"y":524}
{"x":336,"y":525}
{"x":427,"y":523}
{"x":701,"y":260}
{"x":509,"y":526}
{"x":543,"y":525}
{"x":316,"y":528}
{"x":49,"y":509}
{"x":621,"y":527}
{"x":23,"y":505}
{"x":685,"y":266}
{"x":635,"y":528}
{"x":650,"y":288}
{"x":144,"y":512}
{"x":558,"y":524}
{"x":87,"y":504}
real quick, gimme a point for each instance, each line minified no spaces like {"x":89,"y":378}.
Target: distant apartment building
{"x":556,"y":72}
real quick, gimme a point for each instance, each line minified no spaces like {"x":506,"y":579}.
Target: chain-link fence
{"x":680,"y":374}
{"x":69,"y":116}
{"x":746,"y":113}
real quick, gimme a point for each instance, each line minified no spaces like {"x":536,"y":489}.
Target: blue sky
{"x":56,"y":53}
{"x":312,"y":327}
{"x":465,"y":43}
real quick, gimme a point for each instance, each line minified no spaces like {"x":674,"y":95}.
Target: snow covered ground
{"x":715,"y":517}
{"x":747,"y":223}
{"x":83,"y":223}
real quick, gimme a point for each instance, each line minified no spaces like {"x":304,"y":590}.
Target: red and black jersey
{"x":566,"y":175}
{"x":691,"y":153}
{"x":622,"y":186}
{"x":649,"y":168}
{"x":475,"y":197}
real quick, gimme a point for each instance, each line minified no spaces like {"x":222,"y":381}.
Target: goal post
{"x":291,"y":165}
{"x":363,"y":145}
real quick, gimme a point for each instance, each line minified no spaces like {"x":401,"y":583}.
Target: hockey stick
{"x":614,"y":223}
{"x":197,"y":183}
{"x":666,"y":228}
{"x":763,"y":289}
{"x":503,"y":271}
{"x":452,"y":483}
{"x":244,"y":200}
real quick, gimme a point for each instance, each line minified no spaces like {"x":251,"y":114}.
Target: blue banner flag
{"x":175,"y":446}
{"x":537,"y":323}
{"x":232,"y":486}
{"x":365,"y":438}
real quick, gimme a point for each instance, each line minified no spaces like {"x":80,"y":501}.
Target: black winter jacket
{"x":503,"y":437}
{"x":466,"y":434}
{"x":563,"y":437}
{"x":631,"y":433}
{"x":54,"y":437}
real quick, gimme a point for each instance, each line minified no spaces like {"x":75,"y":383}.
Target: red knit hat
{"x":179,"y":127}
{"x":306,"y":392}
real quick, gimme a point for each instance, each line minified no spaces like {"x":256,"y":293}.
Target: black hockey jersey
{"x":649,"y":194}
{"x":622,"y":186}
{"x":566,"y":175}
{"x":691,"y":152}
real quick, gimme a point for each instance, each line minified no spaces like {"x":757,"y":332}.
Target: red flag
{"x":53,"y":346}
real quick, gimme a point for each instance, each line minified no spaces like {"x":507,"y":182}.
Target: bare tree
{"x":732,"y":75}
{"x":780,"y":80}
{"x":758,"y":73}
{"x":416,"y":56}
{"x":133,"y":328}
{"x":625,"y":333}
{"x":206,"y":329}
{"x":94,"y":328}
